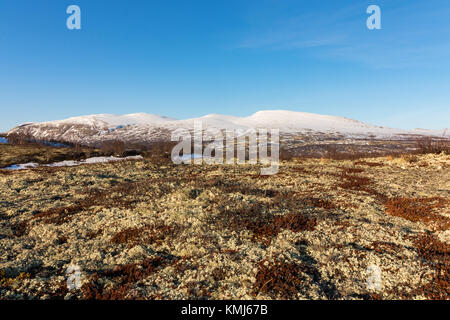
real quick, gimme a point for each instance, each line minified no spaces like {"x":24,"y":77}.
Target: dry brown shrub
{"x":320,"y":203}
{"x":285,"y":280}
{"x":115,"y":147}
{"x":19,"y":138}
{"x":335,"y":152}
{"x":59,"y":215}
{"x":239,"y":187}
{"x":123,"y":277}
{"x":279,"y":279}
{"x":297,"y":201}
{"x":351,"y":170}
{"x":160,"y":152}
{"x":409,"y":158}
{"x":368,"y":163}
{"x":62,"y":239}
{"x":285,"y":154}
{"x":298,"y":169}
{"x":219,"y":274}
{"x":265,"y":231}
{"x":264,"y":225}
{"x":382,"y":247}
{"x":182,"y":264}
{"x":94,"y":234}
{"x":295,"y":222}
{"x":420,"y":210}
{"x":20,"y":228}
{"x":435,"y":254}
{"x":147,"y":234}
{"x":436,"y":146}
{"x":359,"y":183}
{"x":353,"y":182}
{"x":259,"y":218}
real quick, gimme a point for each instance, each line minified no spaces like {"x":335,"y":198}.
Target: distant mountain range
{"x":145,"y":128}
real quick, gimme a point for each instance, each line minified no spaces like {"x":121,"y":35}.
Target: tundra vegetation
{"x":149,"y":229}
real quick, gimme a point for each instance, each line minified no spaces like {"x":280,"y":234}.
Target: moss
{"x":138,"y":232}
{"x":6,"y":281}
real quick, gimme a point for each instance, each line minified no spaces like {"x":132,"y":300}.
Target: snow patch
{"x":22,"y":166}
{"x":188,"y":157}
{"x":72,"y":163}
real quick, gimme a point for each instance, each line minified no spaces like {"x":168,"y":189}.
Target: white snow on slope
{"x":22,"y":166}
{"x":277,"y":119}
{"x":71,"y":163}
{"x":113,"y":120}
{"x":148,"y":127}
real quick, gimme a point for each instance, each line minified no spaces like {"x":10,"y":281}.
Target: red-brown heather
{"x":149,"y":229}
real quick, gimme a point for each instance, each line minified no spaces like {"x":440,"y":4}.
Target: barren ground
{"x":141,"y":230}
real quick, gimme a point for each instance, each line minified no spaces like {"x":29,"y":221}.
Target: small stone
{"x":68,"y":296}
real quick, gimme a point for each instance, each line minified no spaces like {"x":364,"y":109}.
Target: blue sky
{"x":190,"y":58}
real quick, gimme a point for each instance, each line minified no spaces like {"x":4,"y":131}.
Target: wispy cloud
{"x":307,"y":30}
{"x":412,"y":34}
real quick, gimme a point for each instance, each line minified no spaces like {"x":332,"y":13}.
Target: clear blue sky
{"x":189,"y":58}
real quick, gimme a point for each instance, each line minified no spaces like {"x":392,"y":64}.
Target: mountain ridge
{"x":144,"y":127}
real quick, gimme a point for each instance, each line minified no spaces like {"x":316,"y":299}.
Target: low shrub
{"x":146,"y":234}
{"x":115,"y":147}
{"x":123,"y":278}
{"x":428,"y":145}
{"x":436,"y":255}
{"x":281,"y":279}
{"x":420,"y":210}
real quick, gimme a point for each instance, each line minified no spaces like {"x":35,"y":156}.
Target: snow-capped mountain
{"x":114,"y":120}
{"x":142,"y":127}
